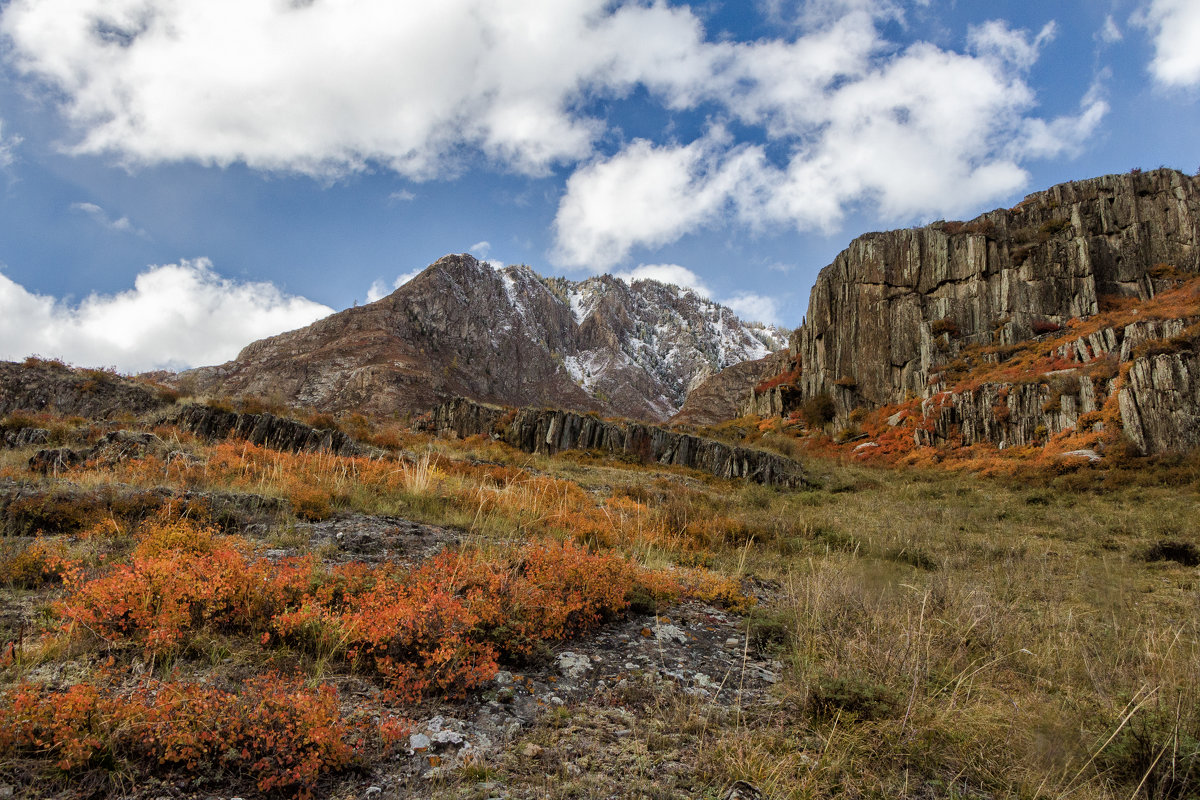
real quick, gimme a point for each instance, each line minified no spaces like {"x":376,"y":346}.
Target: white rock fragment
{"x":670,"y":633}
{"x":573,"y":665}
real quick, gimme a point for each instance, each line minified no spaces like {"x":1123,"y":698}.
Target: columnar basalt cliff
{"x":536,"y":430}
{"x":895,"y":312}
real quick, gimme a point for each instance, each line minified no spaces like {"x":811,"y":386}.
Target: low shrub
{"x":275,"y":731}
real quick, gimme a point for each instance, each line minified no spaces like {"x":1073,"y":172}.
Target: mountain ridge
{"x":505,"y":336}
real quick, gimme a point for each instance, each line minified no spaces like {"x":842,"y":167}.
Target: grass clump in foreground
{"x":941,"y":634}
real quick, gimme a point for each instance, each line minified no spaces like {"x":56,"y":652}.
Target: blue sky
{"x":180,"y":178}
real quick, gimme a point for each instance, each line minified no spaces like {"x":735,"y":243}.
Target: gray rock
{"x":573,"y":665}
{"x":538,"y":430}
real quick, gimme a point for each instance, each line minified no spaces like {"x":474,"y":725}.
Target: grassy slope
{"x":943,"y":634}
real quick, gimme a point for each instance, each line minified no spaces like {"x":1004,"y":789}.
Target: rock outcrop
{"x":877,"y":315}
{"x":268,"y":430}
{"x":549,"y":431}
{"x":722,"y":396}
{"x":49,"y":386}
{"x":895,"y":309}
{"x":1160,"y":401}
{"x":506,"y":336}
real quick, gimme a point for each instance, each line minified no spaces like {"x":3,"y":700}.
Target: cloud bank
{"x":802,"y":128}
{"x":175,"y":316}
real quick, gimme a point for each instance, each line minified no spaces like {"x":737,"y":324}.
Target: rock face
{"x":722,"y":396}
{"x":463,"y":328}
{"x":550,"y":431}
{"x":267,"y":430}
{"x":894,"y":309}
{"x":37,"y":386}
{"x":1160,"y":402}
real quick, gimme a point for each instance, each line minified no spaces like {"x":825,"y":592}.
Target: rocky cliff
{"x":550,"y":431}
{"x":508,"y":336}
{"x":897,"y":314}
{"x":722,"y":396}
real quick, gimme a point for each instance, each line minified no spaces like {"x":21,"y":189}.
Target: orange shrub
{"x":34,"y":564}
{"x":183,"y":576}
{"x":275,"y":731}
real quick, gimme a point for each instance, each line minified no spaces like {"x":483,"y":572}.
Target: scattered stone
{"x":374,"y":791}
{"x":531,"y":750}
{"x":419,"y":742}
{"x":740,"y":790}
{"x":573,"y":665}
{"x":448,"y":738}
{"x":1090,"y":455}
{"x":670,"y":633}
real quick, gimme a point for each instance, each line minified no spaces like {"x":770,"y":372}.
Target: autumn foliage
{"x":275,"y":731}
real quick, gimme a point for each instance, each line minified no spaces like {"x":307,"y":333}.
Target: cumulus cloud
{"x":666,"y":273}
{"x":122,"y":225}
{"x":327,"y":88}
{"x":381,"y":289}
{"x":804,"y":127}
{"x":751,"y":307}
{"x":1175,"y":26}
{"x":926,"y":132}
{"x":175,"y":316}
{"x":480,"y":249}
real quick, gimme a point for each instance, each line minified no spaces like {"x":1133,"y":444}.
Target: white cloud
{"x":650,"y":195}
{"x":122,"y":225}
{"x":402,"y":196}
{"x":666,"y":273}
{"x":1111,"y":32}
{"x":1175,"y":26}
{"x":836,"y":115}
{"x":7,"y":146}
{"x":751,"y":307}
{"x":175,"y":316}
{"x":379,"y":289}
{"x":480,"y":249}
{"x":327,"y":88}
{"x":994,"y":39}
{"x":926,"y":132}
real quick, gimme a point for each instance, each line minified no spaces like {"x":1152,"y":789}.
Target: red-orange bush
{"x":276,"y":731}
{"x":183,"y":576}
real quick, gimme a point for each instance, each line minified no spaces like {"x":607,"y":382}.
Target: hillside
{"x":507,"y":336}
{"x":196,"y":602}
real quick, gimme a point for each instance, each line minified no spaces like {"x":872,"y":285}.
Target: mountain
{"x":1018,"y":324}
{"x":504,"y":336}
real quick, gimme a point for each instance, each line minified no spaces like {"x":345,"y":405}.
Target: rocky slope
{"x":897,"y":313}
{"x":462,"y":328}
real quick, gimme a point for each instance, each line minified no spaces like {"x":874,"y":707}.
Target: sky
{"x":180,"y":178}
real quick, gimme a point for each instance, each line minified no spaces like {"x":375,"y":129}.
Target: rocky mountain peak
{"x":465,"y":328}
